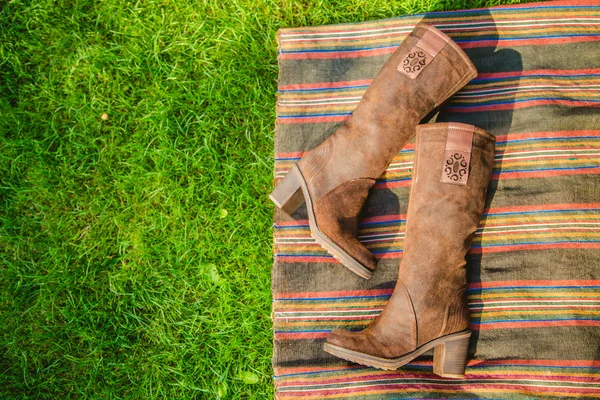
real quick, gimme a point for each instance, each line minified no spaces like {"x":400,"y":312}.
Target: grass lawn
{"x":136,"y":143}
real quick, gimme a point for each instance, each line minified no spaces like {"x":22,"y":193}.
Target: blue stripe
{"x":383,"y":296}
{"x":354,"y":50}
{"x":541,"y":211}
{"x":487,"y":11}
{"x":555,"y":76}
{"x":522,"y":243}
{"x":345,"y":50}
{"x":548,"y":139}
{"x":520,"y":101}
{"x":314,"y":115}
{"x":362,"y":224}
{"x":545,"y":169}
{"x":320,"y":89}
{"x":526,"y":38}
{"x":302,"y":255}
{"x":530,"y":287}
{"x":534,"y":320}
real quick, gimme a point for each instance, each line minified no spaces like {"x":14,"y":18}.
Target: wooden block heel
{"x":450,"y":357}
{"x":288,"y":195}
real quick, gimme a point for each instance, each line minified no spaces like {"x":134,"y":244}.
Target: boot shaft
{"x":389,"y":111}
{"x":452,"y":168}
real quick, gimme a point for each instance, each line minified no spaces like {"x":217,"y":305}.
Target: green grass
{"x":135,"y":252}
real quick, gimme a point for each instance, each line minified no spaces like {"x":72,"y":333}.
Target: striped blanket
{"x":534,"y":267}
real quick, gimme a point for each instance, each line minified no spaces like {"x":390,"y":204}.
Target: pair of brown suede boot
{"x":451,"y":172}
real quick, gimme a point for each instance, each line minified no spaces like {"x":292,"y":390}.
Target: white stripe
{"x":535,"y":229}
{"x":420,"y":381}
{"x":533,"y":301}
{"x":570,"y":307}
{"x":321,"y":99}
{"x":564,"y":154}
{"x":508,"y":92}
{"x":397,"y":169}
{"x":383,"y":235}
{"x":473,"y":26}
{"x":458,"y":26}
{"x":470,"y":92}
{"x":318,"y":104}
{"x":510,"y":153}
{"x":397,"y":28}
{"x":538,"y":224}
{"x":402,"y":163}
{"x":330,"y":311}
{"x":320,"y":317}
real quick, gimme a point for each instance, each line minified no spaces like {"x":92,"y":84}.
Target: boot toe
{"x":345,"y":339}
{"x":364,"y":256}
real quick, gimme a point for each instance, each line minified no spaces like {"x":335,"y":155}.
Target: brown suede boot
{"x":335,"y":177}
{"x":428,"y":309}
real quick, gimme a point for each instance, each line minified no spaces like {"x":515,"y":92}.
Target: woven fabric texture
{"x":534,"y":266}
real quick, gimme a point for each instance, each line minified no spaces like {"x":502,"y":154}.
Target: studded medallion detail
{"x":414,"y":62}
{"x":456,"y":167}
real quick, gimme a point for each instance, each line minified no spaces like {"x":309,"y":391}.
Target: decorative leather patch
{"x":421,"y":55}
{"x":456,"y":167}
{"x":414,"y":62}
{"x":457,"y":157}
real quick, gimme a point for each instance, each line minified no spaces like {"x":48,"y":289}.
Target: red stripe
{"x":542,"y":246}
{"x":475,"y":301}
{"x":544,"y":174}
{"x":302,"y":335}
{"x":337,"y":54}
{"x":471,"y":363}
{"x":465,"y":45}
{"x":550,"y":363}
{"x":311,"y":120}
{"x":589,"y":282}
{"x":536,"y":135}
{"x":379,"y":377}
{"x":325,"y":85}
{"x":337,"y":293}
{"x":584,"y":71}
{"x":491,"y":224}
{"x":434,"y":387}
{"x":516,"y":106}
{"x":540,"y":207}
{"x":532,"y":324}
{"x":300,"y":370}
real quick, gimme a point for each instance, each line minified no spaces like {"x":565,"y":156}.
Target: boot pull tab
{"x":457,"y":157}
{"x":421,"y":54}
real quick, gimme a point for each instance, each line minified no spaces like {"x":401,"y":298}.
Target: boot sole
{"x":289,"y":195}
{"x":449,"y":357}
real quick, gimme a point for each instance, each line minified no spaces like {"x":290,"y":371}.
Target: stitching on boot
{"x":322,"y":157}
{"x":413,"y":329}
{"x":456,"y":307}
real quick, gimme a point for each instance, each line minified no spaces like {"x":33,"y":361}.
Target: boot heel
{"x":450,"y":358}
{"x":288,"y":195}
